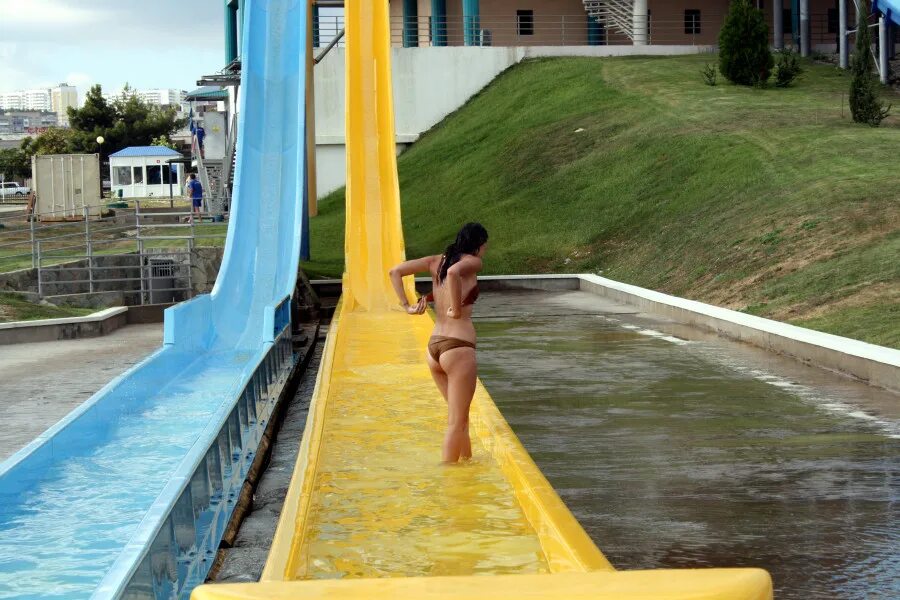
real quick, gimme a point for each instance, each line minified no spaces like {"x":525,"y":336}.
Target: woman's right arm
{"x":467,"y":265}
{"x":410,"y":267}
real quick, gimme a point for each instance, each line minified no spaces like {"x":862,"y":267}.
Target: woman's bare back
{"x":444,"y":324}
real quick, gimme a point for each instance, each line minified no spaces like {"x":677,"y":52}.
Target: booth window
{"x":170,"y":175}
{"x":122,"y":176}
{"x":139,"y":174}
{"x":154,"y":176}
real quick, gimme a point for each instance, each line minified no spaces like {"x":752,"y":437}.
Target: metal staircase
{"x":617,"y":15}
{"x":217,"y":175}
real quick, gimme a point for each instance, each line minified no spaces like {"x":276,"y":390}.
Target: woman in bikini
{"x":451,"y":349}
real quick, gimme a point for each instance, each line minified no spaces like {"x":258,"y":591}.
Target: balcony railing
{"x":559,"y":30}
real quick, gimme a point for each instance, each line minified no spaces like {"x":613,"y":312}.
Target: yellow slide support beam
{"x":370,"y":512}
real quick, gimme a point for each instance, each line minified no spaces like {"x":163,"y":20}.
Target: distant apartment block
{"x":31,"y":122}
{"x":56,"y":100}
{"x":62,"y":97}
{"x":35,"y":99}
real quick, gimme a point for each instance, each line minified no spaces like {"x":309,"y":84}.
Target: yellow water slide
{"x":370,"y":512}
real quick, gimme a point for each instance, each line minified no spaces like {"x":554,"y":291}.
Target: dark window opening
{"x":787,"y":22}
{"x":170,"y":175}
{"x":832,"y":20}
{"x":525,"y":21}
{"x":154,"y":175}
{"x":692,"y":21}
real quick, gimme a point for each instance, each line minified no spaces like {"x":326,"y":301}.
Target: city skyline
{"x":43,"y":44}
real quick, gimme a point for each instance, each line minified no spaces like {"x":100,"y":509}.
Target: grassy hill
{"x":768,"y":201}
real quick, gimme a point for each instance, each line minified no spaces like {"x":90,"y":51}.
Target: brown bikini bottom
{"x":439,"y":344}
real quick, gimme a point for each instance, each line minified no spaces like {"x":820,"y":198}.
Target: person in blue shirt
{"x":196,"y":191}
{"x":200,"y":133}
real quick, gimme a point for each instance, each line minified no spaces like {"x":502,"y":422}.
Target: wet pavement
{"x":42,"y":382}
{"x":676,"y":448}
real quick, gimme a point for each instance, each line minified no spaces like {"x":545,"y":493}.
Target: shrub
{"x":787,"y":67}
{"x":865,"y":105}
{"x":709,"y":74}
{"x":744,"y":55}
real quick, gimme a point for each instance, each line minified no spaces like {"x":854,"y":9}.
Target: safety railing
{"x":576,"y":29}
{"x":144,"y":253}
{"x":570,"y":30}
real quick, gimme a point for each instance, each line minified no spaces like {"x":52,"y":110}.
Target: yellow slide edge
{"x":297,"y":501}
{"x":680,"y":584}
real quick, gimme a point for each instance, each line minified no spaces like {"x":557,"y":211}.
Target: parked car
{"x":11,"y":188}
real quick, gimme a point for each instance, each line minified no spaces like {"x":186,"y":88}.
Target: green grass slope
{"x":14,"y":307}
{"x":768,"y":201}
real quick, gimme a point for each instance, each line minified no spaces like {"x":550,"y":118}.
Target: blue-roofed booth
{"x":145,"y":171}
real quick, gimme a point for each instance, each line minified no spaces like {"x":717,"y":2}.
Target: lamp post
{"x":100,"y":141}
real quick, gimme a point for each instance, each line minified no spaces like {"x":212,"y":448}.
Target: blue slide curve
{"x":890,"y":8}
{"x":130,"y":491}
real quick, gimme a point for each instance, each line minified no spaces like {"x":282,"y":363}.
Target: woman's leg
{"x":437,"y":373}
{"x":462,"y":369}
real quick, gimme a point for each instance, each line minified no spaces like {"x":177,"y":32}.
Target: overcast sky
{"x":148,"y":43}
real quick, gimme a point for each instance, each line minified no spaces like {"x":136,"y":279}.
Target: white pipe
{"x":804,"y":27}
{"x":639,"y":23}
{"x":844,"y":56}
{"x":778,"y":23}
{"x":883,"y":48}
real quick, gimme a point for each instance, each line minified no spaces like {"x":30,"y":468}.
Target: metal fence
{"x":565,"y":30}
{"x":142,"y":252}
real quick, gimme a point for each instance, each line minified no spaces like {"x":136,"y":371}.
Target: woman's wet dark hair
{"x":469,"y":239}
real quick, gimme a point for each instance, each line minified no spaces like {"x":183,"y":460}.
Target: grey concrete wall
{"x":873,"y":364}
{"x":51,"y":330}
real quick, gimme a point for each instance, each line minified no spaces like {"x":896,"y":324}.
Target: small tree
{"x":744,"y":55}
{"x":14,"y":164}
{"x":787,"y":68}
{"x":164,"y":140}
{"x":865,"y":105}
{"x":53,"y":141}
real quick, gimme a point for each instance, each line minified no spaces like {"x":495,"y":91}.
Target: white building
{"x":162,"y":96}
{"x":155,"y":97}
{"x":35,"y":99}
{"x":62,"y":97}
{"x":145,"y":172}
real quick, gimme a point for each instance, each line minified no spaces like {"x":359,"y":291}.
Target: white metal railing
{"x":615,"y":26}
{"x":555,"y":30}
{"x":145,"y":254}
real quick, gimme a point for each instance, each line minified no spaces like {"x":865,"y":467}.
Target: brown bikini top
{"x":470,"y":298}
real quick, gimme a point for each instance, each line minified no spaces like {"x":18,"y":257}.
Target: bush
{"x":787,"y":67}
{"x":865,"y":105}
{"x":709,"y":74}
{"x":744,"y":56}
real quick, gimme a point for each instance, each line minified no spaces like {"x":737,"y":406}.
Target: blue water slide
{"x":129,"y":494}
{"x":890,"y":8}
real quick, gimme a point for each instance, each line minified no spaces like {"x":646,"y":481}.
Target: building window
{"x":692,"y":21}
{"x":122,"y":176}
{"x":154,"y":175}
{"x":170,"y":175}
{"x":832,"y":20}
{"x":787,"y":23}
{"x":525,"y":21}
{"x":139,"y":174}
